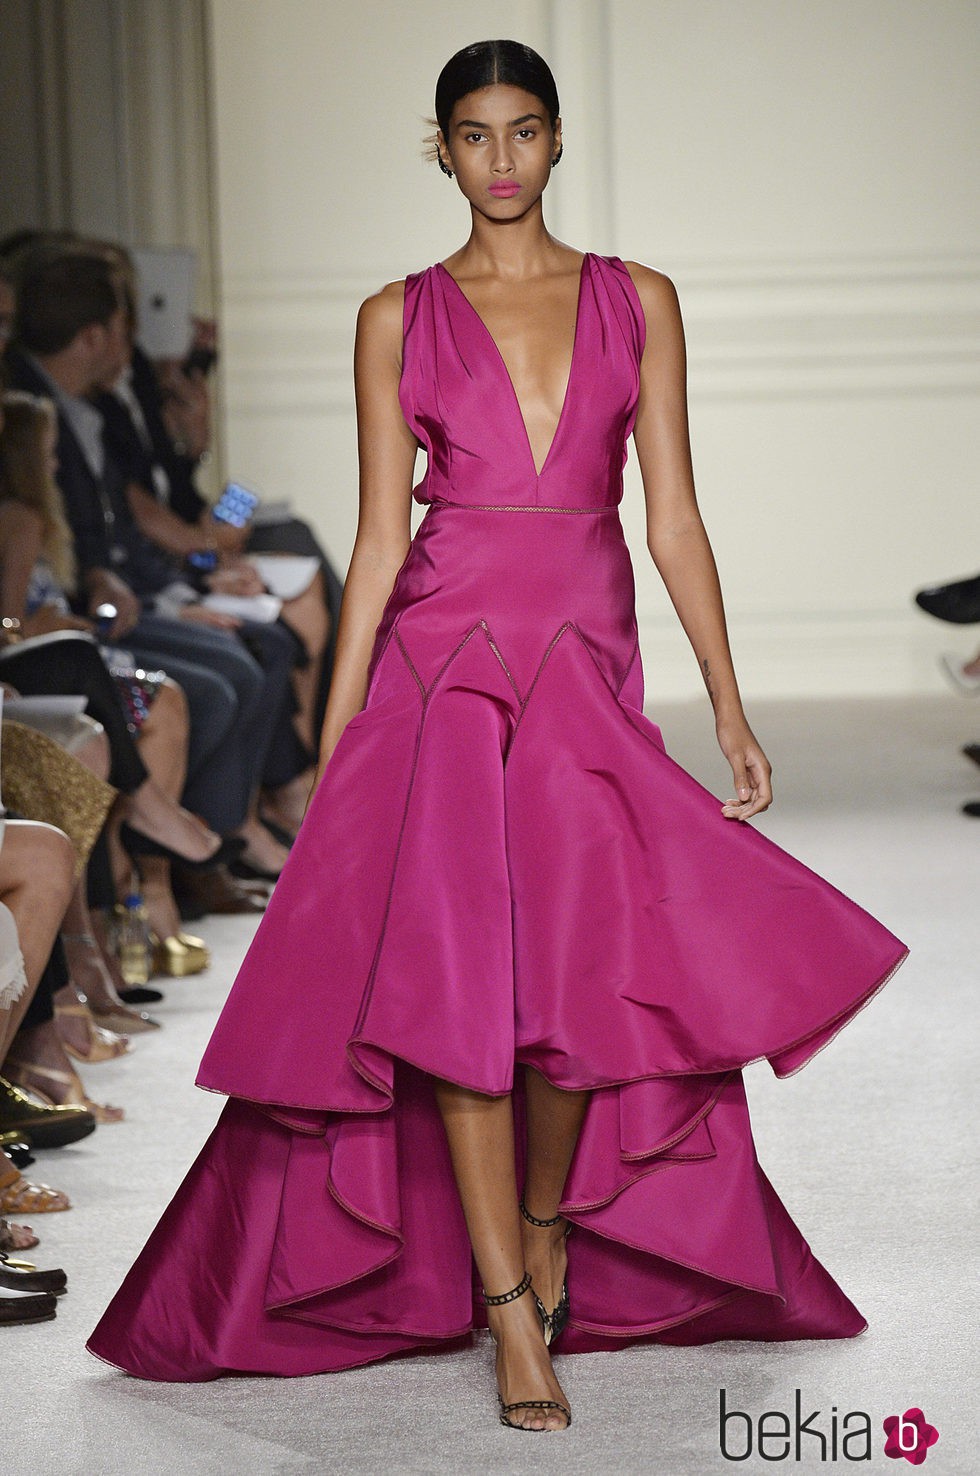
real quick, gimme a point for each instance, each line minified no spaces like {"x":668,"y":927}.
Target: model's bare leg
{"x":480,"y":1131}
{"x":554,"y":1119}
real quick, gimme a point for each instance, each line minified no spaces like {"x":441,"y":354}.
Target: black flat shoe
{"x":17,"y":1309}
{"x":138,"y":844}
{"x":138,"y":994}
{"x":957,"y":603}
{"x":17,"y":1150}
{"x":245,"y":871}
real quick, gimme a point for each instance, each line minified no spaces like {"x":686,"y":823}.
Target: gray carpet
{"x":872,"y":1147}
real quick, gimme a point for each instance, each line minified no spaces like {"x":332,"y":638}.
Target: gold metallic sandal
{"x":21,"y":1072}
{"x":179,"y":956}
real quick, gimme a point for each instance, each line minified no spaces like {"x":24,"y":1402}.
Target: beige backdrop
{"x":803,"y":171}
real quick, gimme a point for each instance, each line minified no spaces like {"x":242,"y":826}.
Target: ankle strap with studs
{"x":543,"y":1224}
{"x":510,"y":1296}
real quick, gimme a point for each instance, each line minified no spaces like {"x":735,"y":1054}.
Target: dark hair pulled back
{"x":485,"y":63}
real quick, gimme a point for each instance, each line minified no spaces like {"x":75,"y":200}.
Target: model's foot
{"x":524,"y":1368}
{"x":546,"y":1257}
{"x":154,"y":814}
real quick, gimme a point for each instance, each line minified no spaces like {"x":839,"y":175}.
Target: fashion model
{"x":484,"y":1054}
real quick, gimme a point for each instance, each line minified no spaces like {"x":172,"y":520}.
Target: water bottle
{"x":133,"y":939}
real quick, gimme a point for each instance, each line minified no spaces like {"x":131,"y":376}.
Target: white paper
{"x":44,"y":706}
{"x":261,"y":608}
{"x":285,"y":575}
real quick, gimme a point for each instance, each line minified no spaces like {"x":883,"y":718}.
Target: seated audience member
{"x":162,"y":434}
{"x":71,"y":342}
{"x":45,"y":783}
{"x":30,"y":915}
{"x":148,"y":726}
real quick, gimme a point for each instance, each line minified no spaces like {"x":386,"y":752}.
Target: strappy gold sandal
{"x":104,"y":1045}
{"x":20,"y":1073}
{"x":553,"y":1323}
{"x":506,"y":1409}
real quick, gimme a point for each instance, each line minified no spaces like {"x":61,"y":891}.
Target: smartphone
{"x":235,"y":505}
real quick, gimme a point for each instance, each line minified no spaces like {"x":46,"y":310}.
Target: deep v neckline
{"x":506,"y":372}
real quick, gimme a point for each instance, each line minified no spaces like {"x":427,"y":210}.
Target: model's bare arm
{"x":386,"y":461}
{"x":676,"y":535}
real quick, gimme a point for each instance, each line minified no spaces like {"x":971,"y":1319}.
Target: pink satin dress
{"x":503,"y":867}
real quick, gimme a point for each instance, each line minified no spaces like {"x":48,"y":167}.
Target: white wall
{"x":805,"y":174}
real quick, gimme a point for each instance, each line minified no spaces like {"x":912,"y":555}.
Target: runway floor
{"x":872,"y":1147}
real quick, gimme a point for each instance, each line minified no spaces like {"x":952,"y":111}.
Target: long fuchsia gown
{"x":503,"y":866}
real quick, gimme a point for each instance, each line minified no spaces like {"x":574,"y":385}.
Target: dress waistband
{"x":519,"y":507}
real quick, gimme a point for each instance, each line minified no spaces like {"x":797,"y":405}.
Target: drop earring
{"x":558,"y":155}
{"x":445,"y":169}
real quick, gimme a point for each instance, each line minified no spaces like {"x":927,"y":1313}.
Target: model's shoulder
{"x":656,"y":290}
{"x":383,"y":308}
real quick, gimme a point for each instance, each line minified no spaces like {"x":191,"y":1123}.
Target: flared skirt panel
{"x":503,"y":867}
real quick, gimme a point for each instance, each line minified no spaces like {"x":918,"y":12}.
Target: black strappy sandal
{"x":553,"y":1322}
{"x":506,"y":1409}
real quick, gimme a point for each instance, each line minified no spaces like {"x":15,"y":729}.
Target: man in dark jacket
{"x":71,"y":341}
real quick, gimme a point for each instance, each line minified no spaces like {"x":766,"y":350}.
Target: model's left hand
{"x":750,"y":767}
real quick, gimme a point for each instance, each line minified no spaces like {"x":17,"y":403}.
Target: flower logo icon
{"x":909,"y":1435}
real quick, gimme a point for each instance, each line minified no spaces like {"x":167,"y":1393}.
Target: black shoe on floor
{"x":957,"y":603}
{"x":18,"y":1150}
{"x":972,"y":807}
{"x":17,"y":1308}
{"x":971,"y":751}
{"x":138,"y":994}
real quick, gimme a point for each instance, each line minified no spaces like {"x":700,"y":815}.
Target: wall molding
{"x":783,"y":655}
{"x":774,"y":328}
